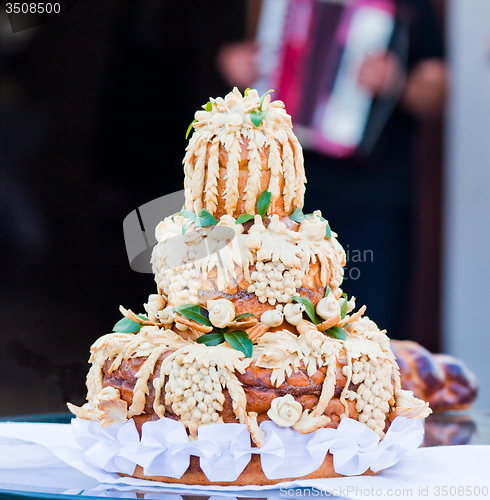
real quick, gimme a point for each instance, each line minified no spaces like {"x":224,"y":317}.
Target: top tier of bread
{"x":230,"y":161}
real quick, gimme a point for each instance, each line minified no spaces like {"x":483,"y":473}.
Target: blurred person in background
{"x":369,"y":199}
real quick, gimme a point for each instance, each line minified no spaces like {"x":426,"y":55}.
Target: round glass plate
{"x":442,"y":429}
{"x":43,"y":418}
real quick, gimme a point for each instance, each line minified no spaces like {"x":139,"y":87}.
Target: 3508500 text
{"x":32,"y":8}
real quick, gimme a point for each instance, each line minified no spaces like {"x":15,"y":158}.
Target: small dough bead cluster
{"x":274,"y":282}
{"x":195,"y":394}
{"x":182,"y":285}
{"x":162,"y":279}
{"x":373,"y":393}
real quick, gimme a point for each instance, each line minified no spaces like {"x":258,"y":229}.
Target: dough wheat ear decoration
{"x":252,"y":149}
{"x":251,"y":341}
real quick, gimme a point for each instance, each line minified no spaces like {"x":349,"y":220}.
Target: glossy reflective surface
{"x":444,"y":429}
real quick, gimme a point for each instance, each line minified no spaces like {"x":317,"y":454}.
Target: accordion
{"x":311,"y":52}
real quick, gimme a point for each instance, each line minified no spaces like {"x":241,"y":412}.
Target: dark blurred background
{"x":94,"y":107}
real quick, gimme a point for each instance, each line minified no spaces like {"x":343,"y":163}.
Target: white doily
{"x":224,"y":450}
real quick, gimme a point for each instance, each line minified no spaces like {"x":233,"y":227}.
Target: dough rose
{"x":328,"y":307}
{"x":274,"y":357}
{"x":285,"y":411}
{"x":234,"y":123}
{"x":221,"y":312}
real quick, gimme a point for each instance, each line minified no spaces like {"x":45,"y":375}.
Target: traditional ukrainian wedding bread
{"x":248,"y":324}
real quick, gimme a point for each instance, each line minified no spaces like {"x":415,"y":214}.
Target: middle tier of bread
{"x":256,"y":264}
{"x":256,"y":382}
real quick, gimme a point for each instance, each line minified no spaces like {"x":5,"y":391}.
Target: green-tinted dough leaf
{"x":197,"y":317}
{"x":263,"y":97}
{"x":244,"y":218}
{"x":240,"y":341}
{"x":263,"y":203}
{"x":186,"y":225}
{"x":244,"y":315}
{"x":191,"y":307}
{"x":298,"y":215}
{"x":328,"y":232}
{"x":343,"y":308}
{"x":127,"y":325}
{"x":257,"y":117}
{"x":190,"y":128}
{"x":211,"y":339}
{"x":310,"y":308}
{"x":187,"y":214}
{"x":336,"y":333}
{"x":205,"y":219}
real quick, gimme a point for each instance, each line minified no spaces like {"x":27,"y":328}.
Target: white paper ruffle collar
{"x":224,"y":450}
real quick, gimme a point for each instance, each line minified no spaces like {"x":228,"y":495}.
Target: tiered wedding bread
{"x":255,"y":327}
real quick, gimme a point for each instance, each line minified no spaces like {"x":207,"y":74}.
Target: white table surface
{"x":28,"y":462}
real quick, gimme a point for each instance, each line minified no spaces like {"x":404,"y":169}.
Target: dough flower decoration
{"x":315,"y":339}
{"x":328,"y":307}
{"x":221,"y":312}
{"x":234,"y":123}
{"x":285,"y":411}
{"x":108,"y":408}
{"x":251,"y":104}
{"x":251,"y":101}
{"x":216,"y":325}
{"x":274,"y":357}
{"x":292,"y":313}
{"x":407,"y":405}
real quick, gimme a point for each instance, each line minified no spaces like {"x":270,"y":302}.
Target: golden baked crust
{"x":256,"y":382}
{"x":237,"y":287}
{"x":252,"y":474}
{"x":265,"y":176}
{"x":230,"y":161}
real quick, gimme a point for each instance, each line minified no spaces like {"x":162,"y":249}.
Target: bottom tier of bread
{"x":251,"y":475}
